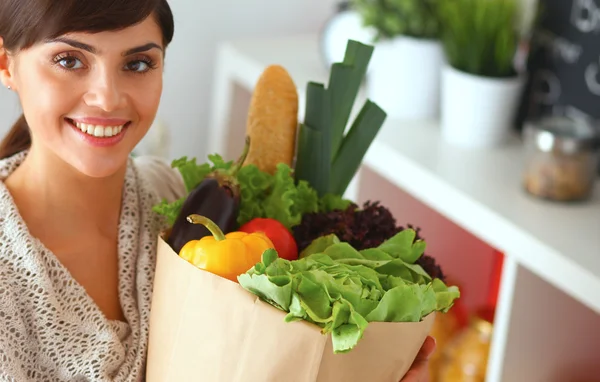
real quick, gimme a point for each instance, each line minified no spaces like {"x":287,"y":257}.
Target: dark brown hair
{"x":24,"y":23}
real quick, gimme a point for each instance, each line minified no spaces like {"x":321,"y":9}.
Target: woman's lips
{"x":100,"y":135}
{"x":99,"y":130}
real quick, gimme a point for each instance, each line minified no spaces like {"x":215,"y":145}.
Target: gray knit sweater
{"x":50,"y":328}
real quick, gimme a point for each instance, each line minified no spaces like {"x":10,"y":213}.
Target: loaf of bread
{"x":273,"y":120}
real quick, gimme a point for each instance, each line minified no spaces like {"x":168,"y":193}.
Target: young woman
{"x":77,"y":233}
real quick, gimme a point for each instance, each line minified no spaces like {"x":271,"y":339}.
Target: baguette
{"x":272,"y":120}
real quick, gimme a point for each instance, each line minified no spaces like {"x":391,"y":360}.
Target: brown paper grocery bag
{"x":207,"y":328}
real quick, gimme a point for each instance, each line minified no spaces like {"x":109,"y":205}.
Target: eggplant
{"x":217,"y":197}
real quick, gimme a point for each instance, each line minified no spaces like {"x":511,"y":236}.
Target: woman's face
{"x":90,"y":98}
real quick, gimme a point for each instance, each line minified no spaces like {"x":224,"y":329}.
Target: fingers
{"x":419,"y":371}
{"x":426,"y":350}
{"x":415,"y":375}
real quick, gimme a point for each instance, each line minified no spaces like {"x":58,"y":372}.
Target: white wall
{"x":9,"y":110}
{"x":199,"y":25}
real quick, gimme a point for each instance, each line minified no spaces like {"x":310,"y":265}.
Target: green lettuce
{"x":264,"y":195}
{"x":330,"y":202}
{"x":341,"y":289}
{"x":192,"y":174}
{"x":169,"y":210}
{"x":278,"y":196}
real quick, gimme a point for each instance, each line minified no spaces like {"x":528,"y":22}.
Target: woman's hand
{"x":419,"y":371}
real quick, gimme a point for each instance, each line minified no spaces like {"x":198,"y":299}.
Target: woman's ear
{"x":5,"y":66}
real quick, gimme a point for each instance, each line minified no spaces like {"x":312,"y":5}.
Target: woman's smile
{"x":99,"y":132}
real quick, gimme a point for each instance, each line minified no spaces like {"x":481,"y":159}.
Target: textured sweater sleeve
{"x":164,"y":179}
{"x":10,"y":367}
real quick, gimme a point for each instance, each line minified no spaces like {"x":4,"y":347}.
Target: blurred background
{"x":190,"y":68}
{"x":501,"y":100}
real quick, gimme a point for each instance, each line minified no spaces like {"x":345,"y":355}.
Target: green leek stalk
{"x":326,"y":158}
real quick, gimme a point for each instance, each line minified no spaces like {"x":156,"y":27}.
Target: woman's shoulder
{"x":165,"y":180}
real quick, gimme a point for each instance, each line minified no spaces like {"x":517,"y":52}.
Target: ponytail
{"x":17,"y":139}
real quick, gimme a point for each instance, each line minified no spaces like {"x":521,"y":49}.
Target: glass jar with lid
{"x":562,"y":157}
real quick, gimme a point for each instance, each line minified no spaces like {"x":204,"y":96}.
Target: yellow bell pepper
{"x":227,"y":255}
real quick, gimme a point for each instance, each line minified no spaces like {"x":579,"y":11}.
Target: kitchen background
{"x":183,"y":126}
{"x":189,"y":72}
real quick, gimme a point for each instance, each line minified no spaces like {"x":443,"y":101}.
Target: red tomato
{"x":282,"y":238}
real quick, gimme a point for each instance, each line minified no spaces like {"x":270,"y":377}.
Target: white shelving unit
{"x":548,"y":316}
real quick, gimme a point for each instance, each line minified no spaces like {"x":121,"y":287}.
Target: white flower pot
{"x":478,"y":111}
{"x":404,"y":77}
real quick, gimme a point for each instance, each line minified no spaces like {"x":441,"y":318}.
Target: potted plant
{"x":480,"y":85}
{"x":404,"y":75}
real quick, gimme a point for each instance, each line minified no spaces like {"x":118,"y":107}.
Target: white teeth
{"x":99,"y":131}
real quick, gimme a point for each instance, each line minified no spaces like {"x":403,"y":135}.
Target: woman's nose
{"x":105,"y":92}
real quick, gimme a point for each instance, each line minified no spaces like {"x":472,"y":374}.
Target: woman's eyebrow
{"x":74,"y":44}
{"x":91,"y":49}
{"x":143,"y":48}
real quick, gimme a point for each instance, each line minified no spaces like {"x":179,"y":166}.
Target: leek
{"x":326,"y":157}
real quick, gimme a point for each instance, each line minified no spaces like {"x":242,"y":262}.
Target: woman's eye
{"x":138,"y":66}
{"x":70,"y":63}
